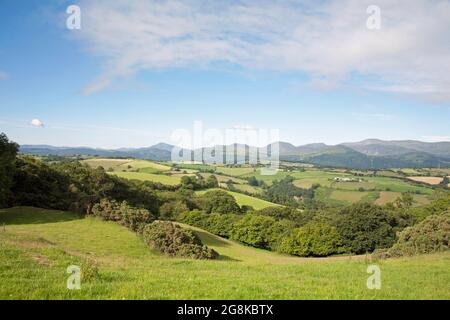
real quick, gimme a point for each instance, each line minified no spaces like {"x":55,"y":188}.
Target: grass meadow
{"x":37,"y":246}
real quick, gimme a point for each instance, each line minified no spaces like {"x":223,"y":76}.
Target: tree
{"x":8,"y":152}
{"x":314,"y":239}
{"x":252,"y":181}
{"x":212,"y":182}
{"x":219,"y":201}
{"x":365,"y":227}
{"x":405,"y":201}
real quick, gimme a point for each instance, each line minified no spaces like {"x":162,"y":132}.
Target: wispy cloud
{"x":376,"y":116}
{"x":327,"y":40}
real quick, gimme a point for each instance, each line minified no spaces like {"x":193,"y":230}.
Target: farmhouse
{"x":346,"y":179}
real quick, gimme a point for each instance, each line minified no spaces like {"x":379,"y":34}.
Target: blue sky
{"x":135,"y":73}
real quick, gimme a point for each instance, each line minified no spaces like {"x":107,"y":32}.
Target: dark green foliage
{"x":219,"y":224}
{"x":128,"y":216}
{"x":218,"y":201}
{"x":440,"y":203}
{"x":313,"y":239}
{"x":174,"y":241}
{"x":37,"y":184}
{"x":365,"y":227}
{"x":430,"y":235}
{"x":8,"y":152}
{"x":171,"y":210}
{"x":299,"y":218}
{"x":284,"y":192}
{"x":197,"y":182}
{"x":260,"y":231}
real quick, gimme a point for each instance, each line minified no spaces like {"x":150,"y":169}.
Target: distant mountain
{"x":377,"y":147}
{"x":367,"y":154}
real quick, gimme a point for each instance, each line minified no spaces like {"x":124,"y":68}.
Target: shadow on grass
{"x":227,"y":258}
{"x":211,"y":240}
{"x":31,"y":215}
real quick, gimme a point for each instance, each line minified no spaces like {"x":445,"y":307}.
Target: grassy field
{"x":121,"y":165}
{"x":142,"y":176}
{"x":427,"y":180}
{"x":37,"y":246}
{"x":244,"y":200}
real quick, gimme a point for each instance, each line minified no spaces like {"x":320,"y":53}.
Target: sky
{"x":138,"y":71}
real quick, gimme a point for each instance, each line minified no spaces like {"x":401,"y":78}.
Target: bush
{"x":313,"y":239}
{"x":130,"y":217}
{"x":89,"y":271}
{"x":174,"y":241}
{"x":430,"y":235}
{"x":365,"y":227}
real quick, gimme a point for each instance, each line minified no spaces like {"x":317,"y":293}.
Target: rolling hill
{"x":367,"y":154}
{"x":37,"y":246}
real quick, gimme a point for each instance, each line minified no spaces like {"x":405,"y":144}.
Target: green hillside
{"x":244,"y":200}
{"x":37,"y":246}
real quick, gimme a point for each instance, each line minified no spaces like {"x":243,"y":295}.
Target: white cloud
{"x":327,"y":40}
{"x":37,"y":123}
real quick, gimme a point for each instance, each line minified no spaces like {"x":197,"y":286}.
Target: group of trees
{"x":359,"y":228}
{"x":197,"y":182}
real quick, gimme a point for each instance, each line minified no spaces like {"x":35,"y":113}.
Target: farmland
{"x":370,"y":186}
{"x":38,"y":245}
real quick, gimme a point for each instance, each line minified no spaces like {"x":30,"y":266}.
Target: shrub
{"x":174,"y":241}
{"x":430,"y":235}
{"x":130,"y":217}
{"x":89,"y":271}
{"x":313,"y":239}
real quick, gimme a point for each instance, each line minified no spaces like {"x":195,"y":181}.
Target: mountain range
{"x":366,"y":154}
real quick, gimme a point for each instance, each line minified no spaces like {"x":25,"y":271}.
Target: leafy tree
{"x":252,"y":181}
{"x":314,"y":239}
{"x":219,"y":201}
{"x":365,"y":227}
{"x":8,"y":152}
{"x":171,"y":210}
{"x":405,"y":201}
{"x":212,"y":182}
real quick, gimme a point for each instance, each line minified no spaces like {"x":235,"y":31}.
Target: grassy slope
{"x":246,"y":200}
{"x":37,"y":246}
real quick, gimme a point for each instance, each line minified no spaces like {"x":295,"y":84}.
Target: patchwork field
{"x":427,"y":180}
{"x":386,"y":197}
{"x":382,"y":188}
{"x":37,"y":246}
